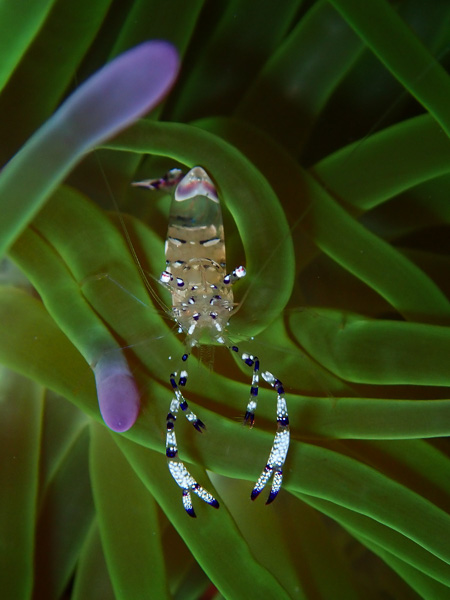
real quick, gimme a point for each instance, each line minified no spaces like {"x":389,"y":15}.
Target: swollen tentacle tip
{"x":118,"y":395}
{"x":214,"y":503}
{"x":191,"y":512}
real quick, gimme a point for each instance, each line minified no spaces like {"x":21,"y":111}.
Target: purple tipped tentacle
{"x":117,"y":391}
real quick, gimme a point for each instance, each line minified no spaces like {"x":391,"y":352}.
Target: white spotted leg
{"x":280,"y":446}
{"x":176,"y":467}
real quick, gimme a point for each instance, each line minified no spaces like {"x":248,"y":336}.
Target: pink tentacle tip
{"x":118,"y":399}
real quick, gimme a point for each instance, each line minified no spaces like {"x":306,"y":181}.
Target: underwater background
{"x":324,"y":125}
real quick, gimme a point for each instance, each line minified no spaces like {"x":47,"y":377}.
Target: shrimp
{"x":202,"y":304}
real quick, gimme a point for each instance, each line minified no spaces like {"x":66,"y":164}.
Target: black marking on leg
{"x":234,"y":276}
{"x":249,"y":418}
{"x":255,"y":494}
{"x":190,"y":511}
{"x":199,"y":425}
{"x":271,"y":497}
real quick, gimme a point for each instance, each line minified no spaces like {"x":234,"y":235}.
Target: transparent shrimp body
{"x":196,"y":260}
{"x":202,"y":303}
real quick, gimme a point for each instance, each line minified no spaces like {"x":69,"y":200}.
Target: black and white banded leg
{"x":176,"y":467}
{"x":280,"y":446}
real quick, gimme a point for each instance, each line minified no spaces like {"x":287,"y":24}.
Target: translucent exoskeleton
{"x":202,"y":304}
